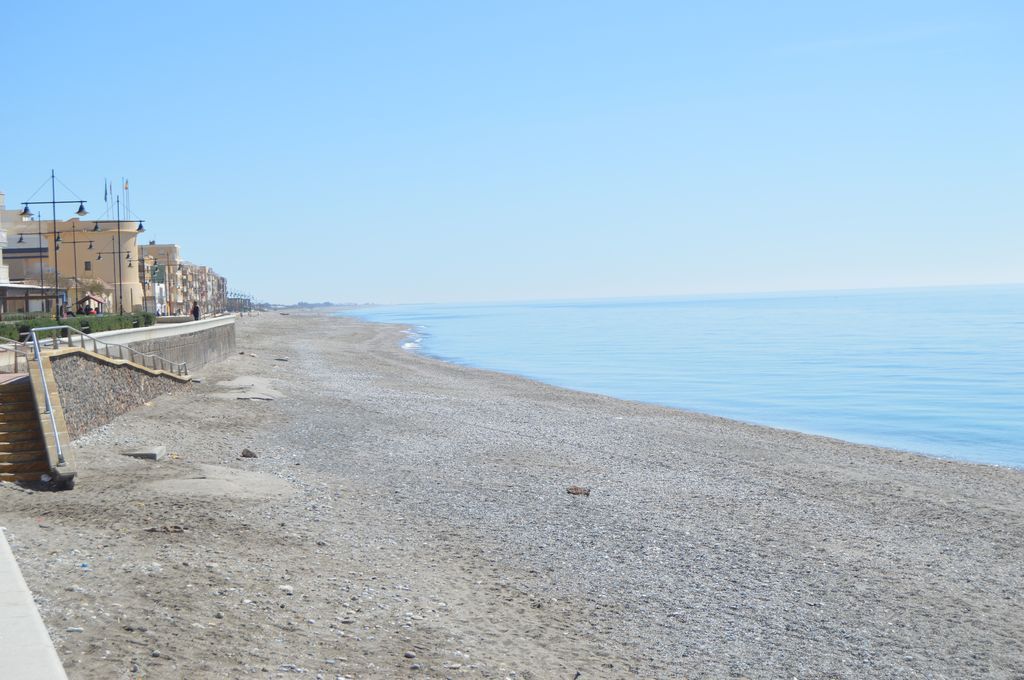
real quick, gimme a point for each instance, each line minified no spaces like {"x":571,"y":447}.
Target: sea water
{"x":937,"y":371}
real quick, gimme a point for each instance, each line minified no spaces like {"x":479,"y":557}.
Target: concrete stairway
{"x":22,"y":447}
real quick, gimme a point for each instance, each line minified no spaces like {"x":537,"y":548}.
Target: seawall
{"x":196,"y":343}
{"x":94,"y":391}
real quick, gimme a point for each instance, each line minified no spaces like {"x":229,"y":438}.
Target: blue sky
{"x":457,"y":151}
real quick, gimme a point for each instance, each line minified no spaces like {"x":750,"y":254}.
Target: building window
{"x":88,"y":265}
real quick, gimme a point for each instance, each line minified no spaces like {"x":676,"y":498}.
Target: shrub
{"x":98,"y":324}
{"x":28,"y":323}
{"x":86,"y":324}
{"x":10,"y":331}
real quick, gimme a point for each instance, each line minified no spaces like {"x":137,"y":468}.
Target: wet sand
{"x":409,"y":518}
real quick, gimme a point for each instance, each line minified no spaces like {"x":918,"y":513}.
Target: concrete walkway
{"x":26,"y":651}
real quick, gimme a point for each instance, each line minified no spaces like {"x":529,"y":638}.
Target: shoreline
{"x":418,"y":350}
{"x":402,"y":505}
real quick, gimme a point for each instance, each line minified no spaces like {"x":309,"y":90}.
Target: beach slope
{"x":403,"y":517}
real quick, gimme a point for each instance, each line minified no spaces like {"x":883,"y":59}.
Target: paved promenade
{"x":26,"y":652}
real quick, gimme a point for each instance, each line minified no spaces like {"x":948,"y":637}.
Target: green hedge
{"x":87,"y":324}
{"x":23,"y":316}
{"x":97,"y":324}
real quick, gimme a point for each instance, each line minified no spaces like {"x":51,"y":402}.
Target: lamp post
{"x":142,"y":280}
{"x":53,"y":207}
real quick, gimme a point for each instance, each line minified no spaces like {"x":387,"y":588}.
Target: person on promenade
{"x":195,"y":310}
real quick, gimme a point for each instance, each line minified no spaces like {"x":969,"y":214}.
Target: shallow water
{"x":938,"y":371}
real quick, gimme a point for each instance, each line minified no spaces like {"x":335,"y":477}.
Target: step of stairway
{"x":15,"y":399}
{"x":20,"y":432}
{"x":20,"y":388}
{"x":20,"y":476}
{"x":19,"y":437}
{"x":6,"y":395}
{"x":28,"y":456}
{"x":18,"y":423}
{"x":30,"y":466}
{"x":17,"y":413}
{"x":16,"y":418}
{"x":34,"y":455}
{"x":23,"y":444}
{"x":16,"y":407}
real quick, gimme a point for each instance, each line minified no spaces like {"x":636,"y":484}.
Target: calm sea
{"x":937,"y":371}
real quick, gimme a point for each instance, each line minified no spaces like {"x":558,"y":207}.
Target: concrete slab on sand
{"x":216,"y":480}
{"x":252,"y":387}
{"x":149,"y":453}
{"x":26,"y":651}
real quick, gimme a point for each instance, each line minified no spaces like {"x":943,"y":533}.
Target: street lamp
{"x":53,"y":207}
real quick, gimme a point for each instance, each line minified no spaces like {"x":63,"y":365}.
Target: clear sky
{"x":457,"y":151}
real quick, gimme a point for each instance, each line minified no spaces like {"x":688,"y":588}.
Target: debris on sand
{"x":166,"y":529}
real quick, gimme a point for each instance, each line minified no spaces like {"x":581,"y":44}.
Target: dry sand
{"x":409,"y":518}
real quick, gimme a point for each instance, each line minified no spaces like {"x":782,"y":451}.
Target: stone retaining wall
{"x":196,"y":343}
{"x":94,"y":392}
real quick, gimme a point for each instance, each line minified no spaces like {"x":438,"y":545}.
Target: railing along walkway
{"x":66,"y":335}
{"x":157,"y":363}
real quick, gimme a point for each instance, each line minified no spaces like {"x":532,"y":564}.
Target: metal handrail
{"x":158,"y":362}
{"x":46,"y":394}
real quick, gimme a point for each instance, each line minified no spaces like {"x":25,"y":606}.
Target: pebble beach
{"x":397,"y":516}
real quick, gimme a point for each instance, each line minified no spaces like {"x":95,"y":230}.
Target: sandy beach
{"x":403,"y":517}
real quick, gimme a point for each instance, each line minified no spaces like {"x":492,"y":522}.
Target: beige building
{"x":164,"y":278}
{"x":97,"y":256}
{"x":19,"y":293}
{"x":181,"y":282}
{"x":101,"y":258}
{"x":205,"y":286}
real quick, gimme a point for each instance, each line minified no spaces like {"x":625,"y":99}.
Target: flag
{"x":104,"y":191}
{"x":126,"y":185}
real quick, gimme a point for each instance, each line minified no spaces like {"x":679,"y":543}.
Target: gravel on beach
{"x":397,"y":516}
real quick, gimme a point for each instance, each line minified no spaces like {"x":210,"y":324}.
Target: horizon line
{"x":667,"y":296}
